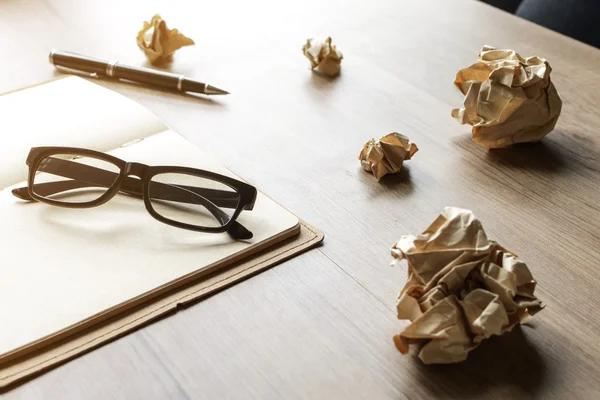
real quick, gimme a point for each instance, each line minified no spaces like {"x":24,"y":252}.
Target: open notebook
{"x":64,"y":270}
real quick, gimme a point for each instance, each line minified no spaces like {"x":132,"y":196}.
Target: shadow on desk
{"x":541,"y":156}
{"x":323,"y":83}
{"x":546,"y":156}
{"x":391,"y":185}
{"x":509,"y":362}
{"x":153,"y":90}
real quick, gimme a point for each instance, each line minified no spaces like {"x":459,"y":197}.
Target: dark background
{"x":575,"y":18}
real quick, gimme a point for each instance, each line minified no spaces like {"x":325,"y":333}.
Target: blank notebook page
{"x":69,"y":112}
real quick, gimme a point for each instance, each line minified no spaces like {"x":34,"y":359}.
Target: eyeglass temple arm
{"x":87,"y":176}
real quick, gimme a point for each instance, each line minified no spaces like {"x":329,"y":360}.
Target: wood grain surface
{"x":320,"y":325}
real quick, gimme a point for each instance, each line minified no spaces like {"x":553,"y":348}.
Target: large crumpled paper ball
{"x":461,"y":288}
{"x":508,"y":99}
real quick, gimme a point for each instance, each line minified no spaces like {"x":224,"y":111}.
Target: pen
{"x":116,"y":70}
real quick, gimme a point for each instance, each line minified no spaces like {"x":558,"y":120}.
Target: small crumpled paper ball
{"x":508,"y":99}
{"x":323,"y":55}
{"x":386,"y":155}
{"x":158,"y":42}
{"x":461,"y":288}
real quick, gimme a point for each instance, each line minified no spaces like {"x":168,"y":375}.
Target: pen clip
{"x":77,"y":72}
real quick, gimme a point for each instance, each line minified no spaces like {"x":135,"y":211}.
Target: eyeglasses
{"x":186,"y":198}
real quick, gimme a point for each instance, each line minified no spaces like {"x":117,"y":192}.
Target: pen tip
{"x":214,"y":90}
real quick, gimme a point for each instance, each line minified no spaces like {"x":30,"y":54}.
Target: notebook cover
{"x":33,"y":364}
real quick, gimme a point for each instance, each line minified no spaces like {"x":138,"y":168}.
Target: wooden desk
{"x":320,"y":325}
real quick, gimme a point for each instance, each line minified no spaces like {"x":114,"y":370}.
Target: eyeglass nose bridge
{"x":136,"y":169}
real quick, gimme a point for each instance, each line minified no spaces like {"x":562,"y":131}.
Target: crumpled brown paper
{"x":508,"y":99}
{"x":323,"y":55}
{"x":158,"y":42}
{"x":461,"y":289}
{"x":386,"y":155}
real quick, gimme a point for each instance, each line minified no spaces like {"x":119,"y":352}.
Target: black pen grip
{"x":162,"y":79}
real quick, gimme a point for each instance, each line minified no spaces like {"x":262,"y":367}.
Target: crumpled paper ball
{"x":461,"y":288}
{"x":323,"y":55}
{"x":158,"y":42}
{"x":386,"y":155}
{"x":508,"y":99}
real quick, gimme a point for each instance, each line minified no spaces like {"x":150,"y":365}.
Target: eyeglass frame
{"x":145,"y":173}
